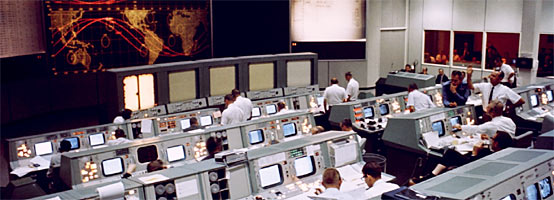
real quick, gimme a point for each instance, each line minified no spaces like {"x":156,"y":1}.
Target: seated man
{"x":282,"y":108}
{"x":498,"y":122}
{"x":193,"y":125}
{"x":213,"y":146}
{"x":417,"y":100}
{"x":120,"y":138}
{"x":331,"y":181}
{"x":55,"y":183}
{"x":155,"y":166}
{"x":372,"y":177}
{"x":452,"y":158}
{"x":454,"y":92}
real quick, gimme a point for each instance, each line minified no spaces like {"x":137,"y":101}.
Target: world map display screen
{"x":95,"y":35}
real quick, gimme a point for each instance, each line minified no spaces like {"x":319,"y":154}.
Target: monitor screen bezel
{"x":211,"y":120}
{"x":51,"y":148}
{"x":259,"y":111}
{"x":295,"y":130}
{"x":273,"y":106}
{"x":145,"y":146}
{"x":313,"y":167}
{"x":549,"y":184}
{"x":442,"y":126}
{"x":103,"y":139}
{"x":551,"y":92}
{"x":78,"y":142}
{"x":259,"y":131}
{"x":388,"y":109}
{"x":184,"y":153}
{"x":122,"y":166}
{"x":372,"y":112}
{"x":459,"y":120}
{"x":536,"y":97}
{"x":280,"y":176}
{"x":535,"y":185}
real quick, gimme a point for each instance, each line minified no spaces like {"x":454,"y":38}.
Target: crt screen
{"x":206,"y":121}
{"x":43,"y":148}
{"x":256,"y":136}
{"x":175,"y":153}
{"x":74,"y":142}
{"x":320,"y":101}
{"x":545,"y":187}
{"x":454,"y":121}
{"x":532,"y":193}
{"x":304,"y":166}
{"x":534,"y":100}
{"x":185,"y":123}
{"x":289,"y":129}
{"x":112,"y":166}
{"x":147,"y":153}
{"x":368,"y":112}
{"x":96,"y":139}
{"x":256,"y":112}
{"x":384,"y":109}
{"x":438,"y":126}
{"x":271,"y":109}
{"x":270,"y":176}
{"x":549,"y":95}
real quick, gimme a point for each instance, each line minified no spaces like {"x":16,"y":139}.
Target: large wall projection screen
{"x":327,"y":20}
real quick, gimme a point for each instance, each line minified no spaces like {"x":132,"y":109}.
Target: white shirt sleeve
{"x":430,"y":102}
{"x":479,"y":87}
{"x":225,"y":117}
{"x":512,"y":96}
{"x":486,"y":128}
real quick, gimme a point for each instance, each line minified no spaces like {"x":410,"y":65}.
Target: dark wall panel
{"x":73,"y":91}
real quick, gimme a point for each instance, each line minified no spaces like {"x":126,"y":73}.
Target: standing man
{"x":496,"y":91}
{"x":417,"y":100}
{"x":333,"y":94}
{"x":441,"y":78}
{"x":353,"y":87}
{"x":455,"y":92}
{"x":509,"y":73}
{"x":243,"y":103}
{"x":232,"y":114}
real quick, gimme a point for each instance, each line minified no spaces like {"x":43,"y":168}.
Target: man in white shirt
{"x":53,"y":174}
{"x":282,"y":108}
{"x":508,"y":73}
{"x":417,"y":100}
{"x":124,"y":115}
{"x":334,"y":94}
{"x":331,"y":181}
{"x":372,"y":177}
{"x":353,"y":87}
{"x":121,"y":138}
{"x":233,"y":114}
{"x":498,"y":122}
{"x":243,"y":103}
{"x":496,"y":91}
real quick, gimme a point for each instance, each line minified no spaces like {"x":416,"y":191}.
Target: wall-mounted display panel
{"x":182,"y":85}
{"x":222,"y":80}
{"x":138,"y":91}
{"x":261,"y":76}
{"x":299,"y":73}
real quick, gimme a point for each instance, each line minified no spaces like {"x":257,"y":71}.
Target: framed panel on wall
{"x":501,"y":48}
{"x":222,"y":80}
{"x":261,"y":76}
{"x":299,"y":73}
{"x":467,"y":49}
{"x":139,"y":92}
{"x":546,"y":55}
{"x":436,"y":47}
{"x":182,"y":85}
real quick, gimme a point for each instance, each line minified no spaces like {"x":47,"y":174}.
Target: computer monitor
{"x":534,"y":100}
{"x":454,"y":121}
{"x":384,"y":108}
{"x":74,"y":141}
{"x":175,"y":153}
{"x":289,"y":129}
{"x":304,"y":166}
{"x":44,"y":148}
{"x":256,"y":136}
{"x":549,"y":95}
{"x":147,"y":153}
{"x":206,"y":120}
{"x":438,"y":126}
{"x":271,"y":176}
{"x":185,"y":123}
{"x":271,"y":109}
{"x":96,"y":139}
{"x":256,"y":112}
{"x":368,"y":112}
{"x":532,"y":192}
{"x":545,"y":187}
{"x":509,"y":197}
{"x":112,"y":166}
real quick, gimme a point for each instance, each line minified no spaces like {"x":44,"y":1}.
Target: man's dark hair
{"x":155,"y":166}
{"x":372,"y":169}
{"x":120,"y":133}
{"x":412,"y":86}
{"x":281,"y":105}
{"x":212,"y":144}
{"x":334,"y":81}
{"x":456,"y":73}
{"x":501,"y":75}
{"x":348,"y":74}
{"x":126,"y":114}
{"x":229,"y":97}
{"x":346,"y":122}
{"x":193,"y":121}
{"x":65,"y":146}
{"x":235,"y":92}
{"x":503,"y":139}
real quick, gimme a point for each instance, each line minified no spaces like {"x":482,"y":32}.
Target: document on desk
{"x":40,"y":161}
{"x":344,"y":153}
{"x":22,"y":171}
{"x":432,"y":139}
{"x":146,"y":126}
{"x":348,"y":173}
{"x":153,"y":178}
{"x":54,"y":198}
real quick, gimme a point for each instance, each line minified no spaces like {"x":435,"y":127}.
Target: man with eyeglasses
{"x":372,"y":177}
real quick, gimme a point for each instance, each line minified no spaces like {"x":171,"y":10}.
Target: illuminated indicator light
{"x":294,"y":44}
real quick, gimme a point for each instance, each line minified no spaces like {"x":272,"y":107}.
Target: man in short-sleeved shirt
{"x":509,"y":73}
{"x":233,"y":114}
{"x":417,"y":100}
{"x":499,"y":92}
{"x":353,"y":87}
{"x":243,"y":103}
{"x":334,"y":94}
